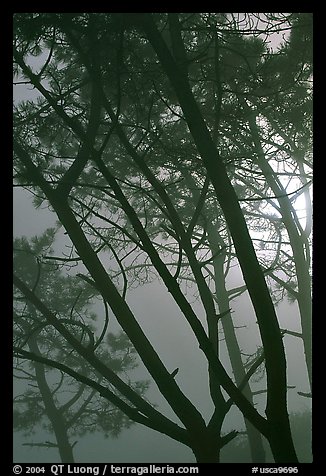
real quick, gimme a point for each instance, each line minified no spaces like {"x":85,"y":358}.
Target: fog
{"x":174,"y":342}
{"x":172,"y":338}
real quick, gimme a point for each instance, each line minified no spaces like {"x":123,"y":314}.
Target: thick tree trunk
{"x":276,"y":409}
{"x":206,"y":451}
{"x":279,"y":446}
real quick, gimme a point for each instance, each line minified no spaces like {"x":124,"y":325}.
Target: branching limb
{"x":132,"y":412}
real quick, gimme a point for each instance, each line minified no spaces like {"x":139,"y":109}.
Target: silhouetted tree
{"x":122,"y":91}
{"x":46,"y":398}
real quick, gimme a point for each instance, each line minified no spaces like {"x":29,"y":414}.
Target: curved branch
{"x":142,"y":405}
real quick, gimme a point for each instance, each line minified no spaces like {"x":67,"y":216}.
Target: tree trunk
{"x":207,"y":451}
{"x":254,"y":437}
{"x":54,"y":415}
{"x":296,"y":241}
{"x":257,"y":450}
{"x":279,"y":446}
{"x":276,"y":409}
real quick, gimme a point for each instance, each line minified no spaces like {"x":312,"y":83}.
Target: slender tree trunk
{"x":257,"y":450}
{"x":254,"y":437}
{"x":54,"y":415}
{"x":296,"y":241}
